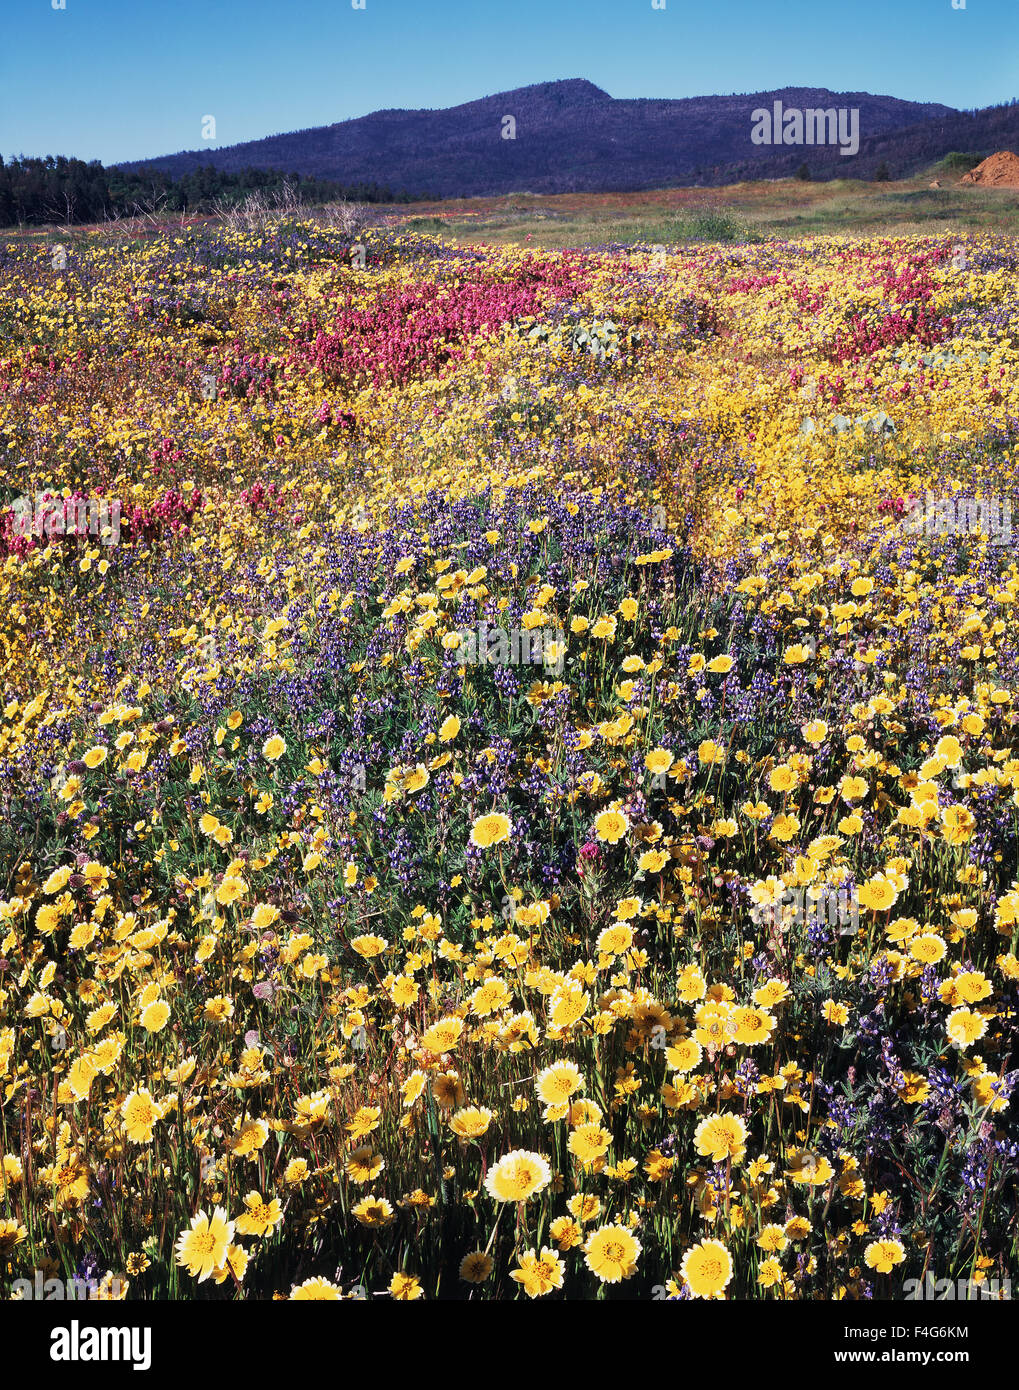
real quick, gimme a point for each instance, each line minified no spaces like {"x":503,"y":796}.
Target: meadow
{"x":338,"y":961}
{"x":935,"y":202}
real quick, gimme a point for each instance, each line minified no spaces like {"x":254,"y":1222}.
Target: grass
{"x":783,"y":208}
{"x":707,"y":224}
{"x":743,"y":212}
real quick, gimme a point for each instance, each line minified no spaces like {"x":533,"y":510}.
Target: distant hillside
{"x":573,"y":137}
{"x":905,"y":152}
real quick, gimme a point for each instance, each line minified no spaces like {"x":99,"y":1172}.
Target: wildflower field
{"x":348,"y":952}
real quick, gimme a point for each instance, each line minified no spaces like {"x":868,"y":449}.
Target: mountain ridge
{"x":572,"y":136}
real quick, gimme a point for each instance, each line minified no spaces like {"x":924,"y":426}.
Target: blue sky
{"x":126,"y":79}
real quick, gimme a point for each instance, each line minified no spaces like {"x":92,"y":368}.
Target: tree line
{"x":56,"y":189}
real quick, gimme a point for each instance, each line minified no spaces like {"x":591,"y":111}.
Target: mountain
{"x":570,"y":136}
{"x":905,"y":152}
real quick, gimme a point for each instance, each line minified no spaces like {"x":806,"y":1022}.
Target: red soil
{"x":1000,"y":170}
